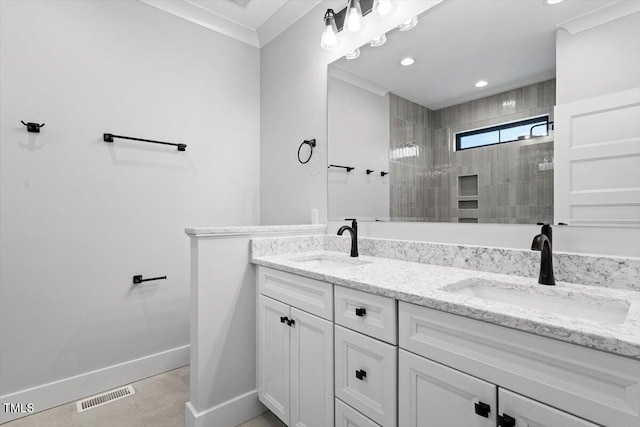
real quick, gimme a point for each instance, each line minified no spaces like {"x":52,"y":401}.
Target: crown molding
{"x":600,"y":16}
{"x":272,"y":28}
{"x":353,"y":79}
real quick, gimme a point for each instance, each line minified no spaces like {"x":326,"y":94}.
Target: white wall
{"x":79,"y":217}
{"x":293,"y":85}
{"x":359,"y":135}
{"x":599,"y":60}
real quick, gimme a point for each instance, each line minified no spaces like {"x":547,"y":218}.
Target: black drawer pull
{"x":505,"y":420}
{"x":284,"y":319}
{"x":360,"y":374}
{"x":482,"y":409}
{"x":361,"y":312}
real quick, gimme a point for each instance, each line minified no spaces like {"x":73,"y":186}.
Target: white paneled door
{"x":273,"y":356}
{"x":311,"y":370}
{"x":597,"y":160}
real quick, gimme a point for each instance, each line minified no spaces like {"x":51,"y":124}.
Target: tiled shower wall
{"x":515,"y":180}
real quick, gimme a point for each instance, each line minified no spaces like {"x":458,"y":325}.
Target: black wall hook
{"x":32,"y":127}
{"x":384,"y":173}
{"x":369,"y":171}
{"x":138,"y":279}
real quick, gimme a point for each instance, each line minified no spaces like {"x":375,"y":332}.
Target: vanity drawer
{"x":312,"y":296}
{"x":370,"y":314}
{"x":366,"y":374}
{"x":346,"y":416}
{"x":591,"y":384}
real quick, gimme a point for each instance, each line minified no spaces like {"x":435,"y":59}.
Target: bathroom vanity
{"x":372,"y":341}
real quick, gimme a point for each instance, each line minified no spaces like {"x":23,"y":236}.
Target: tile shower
{"x":503,"y":183}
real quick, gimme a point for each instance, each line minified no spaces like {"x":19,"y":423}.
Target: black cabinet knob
{"x":361,"y":312}
{"x":291,"y":322}
{"x":360,"y":374}
{"x":482,"y":409}
{"x":283,"y":319}
{"x":505,"y":420}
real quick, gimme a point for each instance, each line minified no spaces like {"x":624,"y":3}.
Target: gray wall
{"x":511,"y":188}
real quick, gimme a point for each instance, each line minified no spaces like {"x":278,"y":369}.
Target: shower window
{"x":507,"y":132}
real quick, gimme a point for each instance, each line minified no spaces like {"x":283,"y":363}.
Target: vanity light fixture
{"x":407,"y":25}
{"x":378,"y":41}
{"x":351,"y":18}
{"x":354,"y":21}
{"x":407,"y":61}
{"x":384,"y":8}
{"x":330,"y":38}
{"x":552,"y":2}
{"x":353,"y":54}
{"x":481,"y":83}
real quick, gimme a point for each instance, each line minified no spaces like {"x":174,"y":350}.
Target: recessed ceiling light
{"x":552,"y":2}
{"x":407,"y":61}
{"x":481,"y":83}
{"x":407,"y":25}
{"x":378,"y":41}
{"x":353,"y":54}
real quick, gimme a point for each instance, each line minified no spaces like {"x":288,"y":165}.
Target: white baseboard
{"x":67,"y":390}
{"x":231,"y":413}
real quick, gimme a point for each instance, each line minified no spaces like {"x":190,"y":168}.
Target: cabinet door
{"x":433,"y":395}
{"x":311,"y":370}
{"x":346,"y":416}
{"x":366,"y":375}
{"x":273,"y":356}
{"x":529,"y":413}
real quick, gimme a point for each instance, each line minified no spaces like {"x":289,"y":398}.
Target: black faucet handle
{"x":354,"y":222}
{"x":546,"y":228}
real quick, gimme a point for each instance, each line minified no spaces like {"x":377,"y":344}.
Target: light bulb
{"x":384,"y":7}
{"x":407,"y":25}
{"x":353,"y":54}
{"x":378,"y":41}
{"x":330,"y":38}
{"x":407,"y":61}
{"x":481,"y":83}
{"x":354,"y":20}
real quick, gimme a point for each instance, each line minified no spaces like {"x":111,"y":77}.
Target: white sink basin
{"x":545,"y":298}
{"x":329,"y":261}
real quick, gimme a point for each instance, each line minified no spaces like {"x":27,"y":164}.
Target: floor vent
{"x":104,"y":398}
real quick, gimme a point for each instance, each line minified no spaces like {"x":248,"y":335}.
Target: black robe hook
{"x":33,"y":127}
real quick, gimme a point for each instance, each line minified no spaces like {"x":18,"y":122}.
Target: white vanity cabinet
{"x":448,"y":363}
{"x":431,"y":394}
{"x":295,"y":350}
{"x":366,"y":357}
{"x":385,"y":363}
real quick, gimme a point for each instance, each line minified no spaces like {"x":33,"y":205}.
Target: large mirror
{"x":464,"y":132}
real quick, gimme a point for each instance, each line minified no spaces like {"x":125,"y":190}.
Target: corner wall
{"x":79,"y":217}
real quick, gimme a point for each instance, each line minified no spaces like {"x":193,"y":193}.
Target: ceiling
{"x":509,"y":44}
{"x":255,"y":22}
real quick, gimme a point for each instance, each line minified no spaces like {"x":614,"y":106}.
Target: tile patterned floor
{"x":158,"y":402}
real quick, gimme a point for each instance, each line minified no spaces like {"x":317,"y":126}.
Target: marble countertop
{"x":249,"y":229}
{"x":427,"y":284}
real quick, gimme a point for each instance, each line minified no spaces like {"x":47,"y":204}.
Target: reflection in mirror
{"x":455,"y":149}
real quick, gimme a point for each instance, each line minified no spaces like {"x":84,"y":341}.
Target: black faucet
{"x":543,"y":242}
{"x":354,"y":235}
